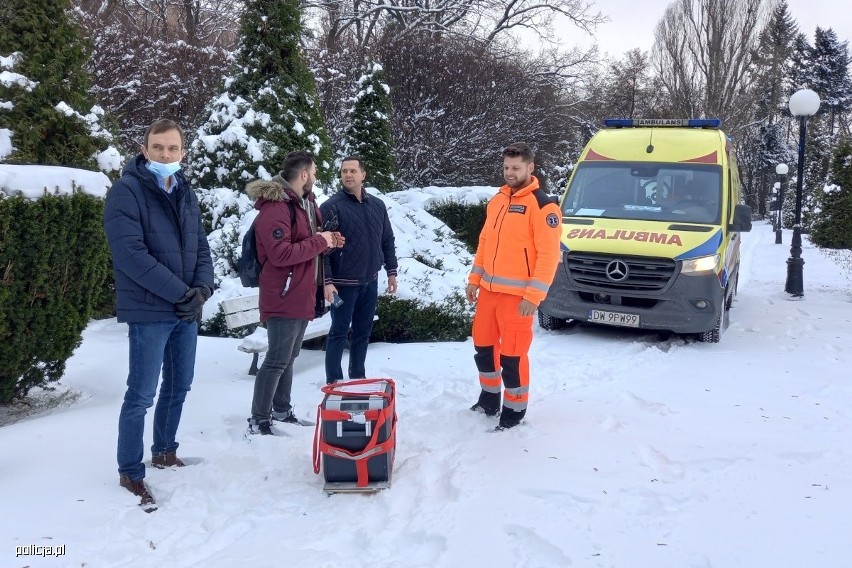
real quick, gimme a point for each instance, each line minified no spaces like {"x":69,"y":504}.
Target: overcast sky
{"x":632,"y":22}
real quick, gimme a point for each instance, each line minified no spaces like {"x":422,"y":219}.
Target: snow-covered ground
{"x":637,"y":452}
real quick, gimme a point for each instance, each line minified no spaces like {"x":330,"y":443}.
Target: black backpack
{"x":249,"y":266}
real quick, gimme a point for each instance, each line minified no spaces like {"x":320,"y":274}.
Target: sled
{"x":332,"y":487}
{"x":355,"y":436}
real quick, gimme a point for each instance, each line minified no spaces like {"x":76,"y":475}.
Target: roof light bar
{"x":662,"y":122}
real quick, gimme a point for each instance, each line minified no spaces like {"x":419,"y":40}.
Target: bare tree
{"x":198,"y":22}
{"x":703,"y":56}
{"x":630,"y":91}
{"x":368,"y":21}
{"x":157,"y":58}
{"x":365,"y":21}
{"x":539,"y":16}
{"x":451,"y":118}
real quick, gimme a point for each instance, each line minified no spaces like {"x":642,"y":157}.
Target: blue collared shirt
{"x":162,"y":181}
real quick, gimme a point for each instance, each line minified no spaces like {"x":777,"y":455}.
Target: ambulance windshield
{"x":682,"y":193}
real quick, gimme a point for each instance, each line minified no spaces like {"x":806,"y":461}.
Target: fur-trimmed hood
{"x":275,"y":189}
{"x":287,"y":246}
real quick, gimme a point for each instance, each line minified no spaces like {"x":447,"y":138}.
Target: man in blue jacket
{"x":351,"y":272}
{"x":163,"y":275}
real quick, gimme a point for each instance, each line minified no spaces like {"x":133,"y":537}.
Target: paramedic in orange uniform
{"x":515,"y":262}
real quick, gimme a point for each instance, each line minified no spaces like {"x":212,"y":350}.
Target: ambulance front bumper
{"x":687,"y":304}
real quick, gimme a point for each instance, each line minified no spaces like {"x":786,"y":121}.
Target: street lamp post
{"x":776,"y":187}
{"x":803,"y":104}
{"x":781,"y":170}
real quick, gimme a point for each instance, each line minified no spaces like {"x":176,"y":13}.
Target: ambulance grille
{"x":643,"y":274}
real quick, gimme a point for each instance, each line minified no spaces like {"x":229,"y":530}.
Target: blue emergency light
{"x":662,"y":122}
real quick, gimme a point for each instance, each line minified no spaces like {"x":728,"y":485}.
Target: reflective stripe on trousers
{"x":502,"y":339}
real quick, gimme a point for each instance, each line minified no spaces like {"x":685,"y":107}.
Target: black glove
{"x":205,"y":292}
{"x":189,"y":307}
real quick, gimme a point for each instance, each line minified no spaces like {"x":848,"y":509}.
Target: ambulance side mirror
{"x":742,"y":219}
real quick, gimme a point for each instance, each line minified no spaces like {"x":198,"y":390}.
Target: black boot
{"x":488,"y":403}
{"x":510,"y":418}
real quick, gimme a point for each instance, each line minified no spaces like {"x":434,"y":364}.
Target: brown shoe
{"x":169,"y":459}
{"x":139,"y":489}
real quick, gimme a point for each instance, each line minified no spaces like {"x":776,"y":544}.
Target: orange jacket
{"x":519,"y":245}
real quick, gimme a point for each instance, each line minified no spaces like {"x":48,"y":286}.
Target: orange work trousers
{"x":502,"y":339}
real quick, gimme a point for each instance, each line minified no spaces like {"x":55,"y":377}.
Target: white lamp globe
{"x":804,"y":102}
{"x":782,"y":169}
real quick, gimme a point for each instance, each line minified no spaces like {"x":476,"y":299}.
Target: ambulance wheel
{"x":714,"y":335}
{"x":548,"y":322}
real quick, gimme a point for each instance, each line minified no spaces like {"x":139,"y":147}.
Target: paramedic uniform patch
{"x":552,"y":220}
{"x":517,"y":208}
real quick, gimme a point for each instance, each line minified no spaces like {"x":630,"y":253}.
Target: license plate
{"x":614,"y":318}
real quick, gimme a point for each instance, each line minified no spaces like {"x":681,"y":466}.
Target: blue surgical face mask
{"x":163,"y":170}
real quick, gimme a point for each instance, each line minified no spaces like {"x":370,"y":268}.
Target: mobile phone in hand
{"x":336,"y":300}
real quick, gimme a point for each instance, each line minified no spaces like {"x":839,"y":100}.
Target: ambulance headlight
{"x":701,"y":264}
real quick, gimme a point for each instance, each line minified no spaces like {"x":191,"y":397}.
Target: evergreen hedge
{"x":465,"y":219}
{"x":54,"y":261}
{"x":409,"y":321}
{"x":833,"y":226}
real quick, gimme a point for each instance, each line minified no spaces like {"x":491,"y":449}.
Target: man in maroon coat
{"x":288,"y":244}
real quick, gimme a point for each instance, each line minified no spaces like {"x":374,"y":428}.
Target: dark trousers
{"x":356,"y":311}
{"x":274,"y":379}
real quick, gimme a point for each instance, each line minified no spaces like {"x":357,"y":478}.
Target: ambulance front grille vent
{"x":612,"y":272}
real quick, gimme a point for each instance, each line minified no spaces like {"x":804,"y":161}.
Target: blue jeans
{"x":357,"y":311}
{"x":163,"y":345}
{"x":274,"y":380}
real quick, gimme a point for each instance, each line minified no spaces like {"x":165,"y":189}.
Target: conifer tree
{"x":773,"y":148}
{"x":833,"y":227}
{"x":788,"y":203}
{"x":773,"y":61}
{"x":368,"y":133}
{"x":801,"y":70}
{"x":830,"y":59}
{"x":44,"y":104}
{"x":766,"y":138}
{"x":817,"y":161}
{"x":268,"y":106}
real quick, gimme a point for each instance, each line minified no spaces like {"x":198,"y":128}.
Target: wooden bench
{"x":244,"y":310}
